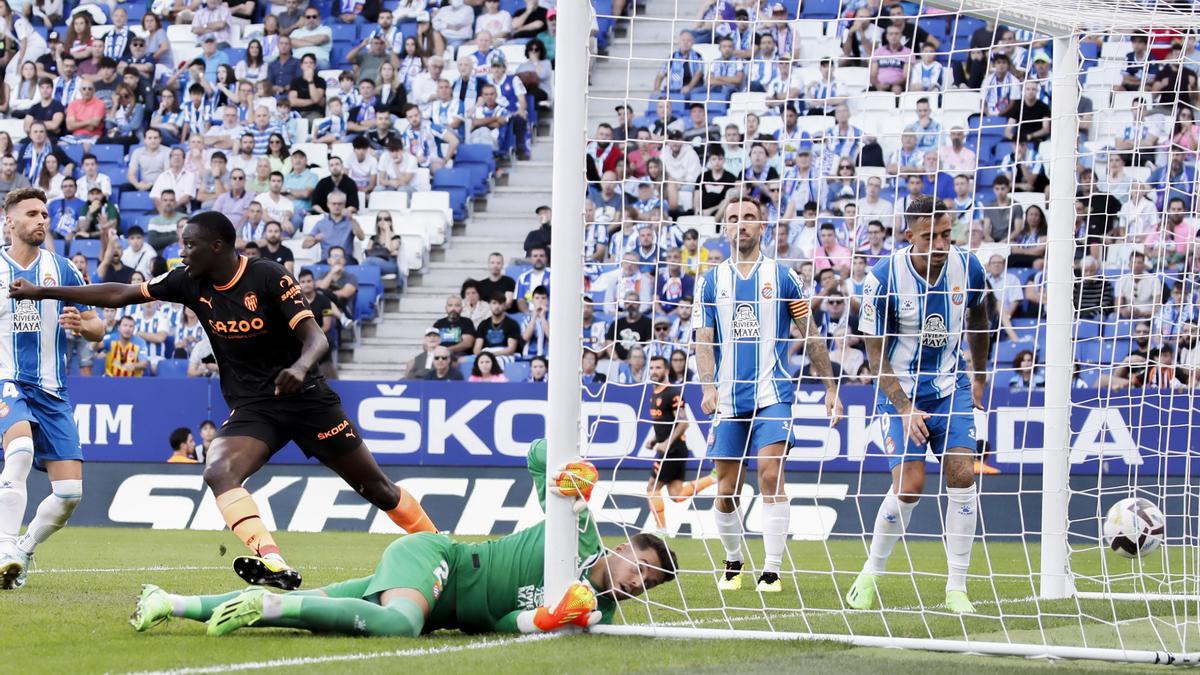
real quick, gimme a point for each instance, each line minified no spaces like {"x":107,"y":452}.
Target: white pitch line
{"x":338,"y":658}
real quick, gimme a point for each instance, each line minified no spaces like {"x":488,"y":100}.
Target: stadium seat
{"x":387,"y":200}
{"x":478,"y":159}
{"x":90,"y":248}
{"x":816,"y":9}
{"x":517,"y":371}
{"x":457,"y":183}
{"x":136,"y":202}
{"x":172,"y":368}
{"x":465,"y":363}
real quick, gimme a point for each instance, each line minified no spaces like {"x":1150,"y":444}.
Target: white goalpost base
{"x":1031,"y":651}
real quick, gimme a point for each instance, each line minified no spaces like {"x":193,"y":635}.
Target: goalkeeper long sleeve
{"x":345,"y":616}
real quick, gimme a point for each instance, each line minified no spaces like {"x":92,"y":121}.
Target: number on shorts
{"x":10,"y":390}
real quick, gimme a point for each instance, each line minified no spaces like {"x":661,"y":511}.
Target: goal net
{"x":1060,"y":140}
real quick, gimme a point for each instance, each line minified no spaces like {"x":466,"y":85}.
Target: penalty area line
{"x":339,"y":658}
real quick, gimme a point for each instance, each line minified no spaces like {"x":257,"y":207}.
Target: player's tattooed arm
{"x":99,"y":295}
{"x":888,"y":383}
{"x":706,"y":368}
{"x":818,"y":354}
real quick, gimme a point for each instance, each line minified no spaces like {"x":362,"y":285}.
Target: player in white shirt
{"x":37,"y":421}
{"x":918,"y":305}
{"x":742,"y":329}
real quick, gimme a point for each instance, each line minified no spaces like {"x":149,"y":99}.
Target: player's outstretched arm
{"x":100,"y":295}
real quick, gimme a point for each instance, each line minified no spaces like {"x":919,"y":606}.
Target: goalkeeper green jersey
{"x":478,"y":588}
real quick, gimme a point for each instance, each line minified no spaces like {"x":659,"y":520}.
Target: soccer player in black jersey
{"x":667,"y":419}
{"x":267,"y":346}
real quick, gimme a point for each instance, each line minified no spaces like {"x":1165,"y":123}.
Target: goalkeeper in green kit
{"x":426,"y":582}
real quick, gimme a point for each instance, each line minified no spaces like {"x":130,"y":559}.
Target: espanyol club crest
{"x":957,"y":296}
{"x":251,"y":301}
{"x":47,"y":280}
{"x":767,"y":291}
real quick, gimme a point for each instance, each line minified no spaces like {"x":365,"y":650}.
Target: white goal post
{"x":1085,"y":612}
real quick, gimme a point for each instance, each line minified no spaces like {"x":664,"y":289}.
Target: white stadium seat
{"x":390,"y":200}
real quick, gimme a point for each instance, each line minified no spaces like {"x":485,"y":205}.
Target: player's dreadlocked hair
{"x":21,"y":194}
{"x":215,"y":225}
{"x":666,"y":557}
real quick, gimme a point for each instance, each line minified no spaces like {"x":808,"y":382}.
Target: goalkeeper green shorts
{"x":420,"y":561}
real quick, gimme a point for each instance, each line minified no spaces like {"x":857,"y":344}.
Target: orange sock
{"x":656,"y":507}
{"x":241,"y":515}
{"x":409,"y":515}
{"x":692,"y":487}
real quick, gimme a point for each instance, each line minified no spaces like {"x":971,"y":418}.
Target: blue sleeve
{"x":977,"y":285}
{"x":69,"y":276}
{"x":142,"y":346}
{"x":106,"y":343}
{"x":873,"y":314}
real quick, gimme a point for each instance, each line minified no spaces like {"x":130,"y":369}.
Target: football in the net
{"x":1134,"y":527}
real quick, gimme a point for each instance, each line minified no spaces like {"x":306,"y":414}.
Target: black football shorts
{"x":314,"y":419}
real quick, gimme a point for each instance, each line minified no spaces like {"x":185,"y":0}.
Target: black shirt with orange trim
{"x":666,"y":406}
{"x":250,"y":322}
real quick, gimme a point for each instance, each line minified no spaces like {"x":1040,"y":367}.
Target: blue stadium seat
{"x":136,"y":202}
{"x":172,"y":368}
{"x":465,"y":363}
{"x":1088,"y":352}
{"x":476,"y":158}
{"x":457,"y":183}
{"x":1087,"y":330}
{"x":517,"y":371}
{"x":1120,"y":329}
{"x":820,"y":9}
{"x":60,"y":246}
{"x":337,"y":55}
{"x":318,"y":269}
{"x":90,"y":248}
{"x":517,"y":270}
{"x":109,"y":153}
{"x":73,"y":152}
{"x":343,"y":32}
{"x":1114,"y":351}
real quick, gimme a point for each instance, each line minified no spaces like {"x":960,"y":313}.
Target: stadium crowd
{"x":834,"y":122}
{"x":315,"y":125}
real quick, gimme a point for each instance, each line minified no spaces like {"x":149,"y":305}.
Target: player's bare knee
{"x":220,"y":476}
{"x":960,"y":472}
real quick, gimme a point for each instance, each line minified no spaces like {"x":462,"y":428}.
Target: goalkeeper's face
{"x":630,"y":571}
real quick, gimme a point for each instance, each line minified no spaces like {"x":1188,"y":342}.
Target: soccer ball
{"x":1134,"y":527}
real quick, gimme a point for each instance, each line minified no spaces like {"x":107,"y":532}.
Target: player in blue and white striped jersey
{"x":742,"y":327}
{"x":918,"y":305}
{"x":36,"y":417}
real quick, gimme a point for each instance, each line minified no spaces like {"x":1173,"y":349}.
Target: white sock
{"x":52,"y":514}
{"x":178,"y":604}
{"x":18,"y":460}
{"x":890,"y":522}
{"x":272,"y":607}
{"x":776,"y":528}
{"x":729,"y":529}
{"x":962,"y":512}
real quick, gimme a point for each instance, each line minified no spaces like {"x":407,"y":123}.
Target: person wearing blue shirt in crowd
{"x":65,"y":212}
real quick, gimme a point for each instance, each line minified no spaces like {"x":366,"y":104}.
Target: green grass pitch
{"x":71,"y":617}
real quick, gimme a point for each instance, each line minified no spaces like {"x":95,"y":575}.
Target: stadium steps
{"x":387,"y":346}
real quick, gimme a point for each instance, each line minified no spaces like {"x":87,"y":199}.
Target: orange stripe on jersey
{"x":300,"y":317}
{"x":236,"y":276}
{"x":146,"y":290}
{"x":799,"y":309}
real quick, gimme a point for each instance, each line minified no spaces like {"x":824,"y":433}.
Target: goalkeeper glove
{"x":575,"y":480}
{"x":576,"y":608}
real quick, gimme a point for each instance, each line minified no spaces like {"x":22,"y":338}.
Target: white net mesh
{"x":835,"y":117}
